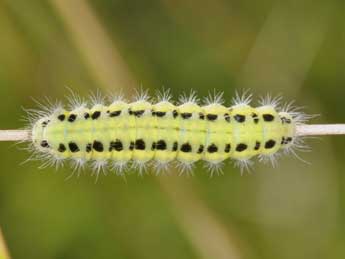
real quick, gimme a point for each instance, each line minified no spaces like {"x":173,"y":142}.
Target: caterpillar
{"x":135,"y":134}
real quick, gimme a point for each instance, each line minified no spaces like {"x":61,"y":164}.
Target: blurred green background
{"x":293,"y":48}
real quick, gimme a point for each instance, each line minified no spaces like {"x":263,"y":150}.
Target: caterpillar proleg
{"x":121,"y":134}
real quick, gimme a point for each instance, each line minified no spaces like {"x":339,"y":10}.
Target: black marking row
{"x":140,"y":144}
{"x":185,"y":115}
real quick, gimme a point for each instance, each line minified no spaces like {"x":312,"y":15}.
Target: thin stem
{"x":320,"y":129}
{"x":14,"y":135}
{"x":301,"y":130}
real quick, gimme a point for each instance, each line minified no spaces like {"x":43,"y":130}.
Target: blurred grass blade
{"x":3,"y":248}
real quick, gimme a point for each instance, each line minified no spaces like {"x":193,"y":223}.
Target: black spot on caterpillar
{"x":114,"y":113}
{"x":270,"y":144}
{"x":186,"y":148}
{"x":211,"y":117}
{"x":268,"y":117}
{"x":240,"y":118}
{"x":61,"y":117}
{"x":285,"y":120}
{"x":96,"y":115}
{"x":44,"y":143}
{"x":227,"y":148}
{"x":88,"y":147}
{"x":255,"y":118}
{"x":86,"y":115}
{"x":98,"y":146}
{"x":72,"y":117}
{"x":115,"y":145}
{"x":175,"y":146}
{"x":227,"y":117}
{"x":175,"y":113}
{"x":257,"y":145}
{"x":45,"y":123}
{"x":161,"y":145}
{"x":186,"y":115}
{"x":160,"y":114}
{"x":212,"y":148}
{"x":140,"y":144}
{"x":73,"y":147}
{"x":241,"y":147}
{"x":62,"y":148}
{"x":136,"y":113}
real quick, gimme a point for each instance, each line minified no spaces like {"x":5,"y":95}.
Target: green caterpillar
{"x":140,"y":132}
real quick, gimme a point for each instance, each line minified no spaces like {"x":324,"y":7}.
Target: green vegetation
{"x":294,"y":48}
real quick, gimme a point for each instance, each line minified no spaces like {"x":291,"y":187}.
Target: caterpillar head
{"x":288,"y":125}
{"x":37,"y":133}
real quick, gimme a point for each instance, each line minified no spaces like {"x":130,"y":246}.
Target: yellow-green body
{"x":164,"y":132}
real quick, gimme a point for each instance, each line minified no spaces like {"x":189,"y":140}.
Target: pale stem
{"x":320,"y":129}
{"x":14,"y":135}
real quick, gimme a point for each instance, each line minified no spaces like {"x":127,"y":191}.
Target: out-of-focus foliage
{"x":293,"y":48}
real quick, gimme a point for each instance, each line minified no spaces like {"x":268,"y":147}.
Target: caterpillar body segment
{"x":140,"y":132}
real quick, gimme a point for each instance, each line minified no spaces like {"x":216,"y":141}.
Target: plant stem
{"x":320,"y":129}
{"x":14,"y":135}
